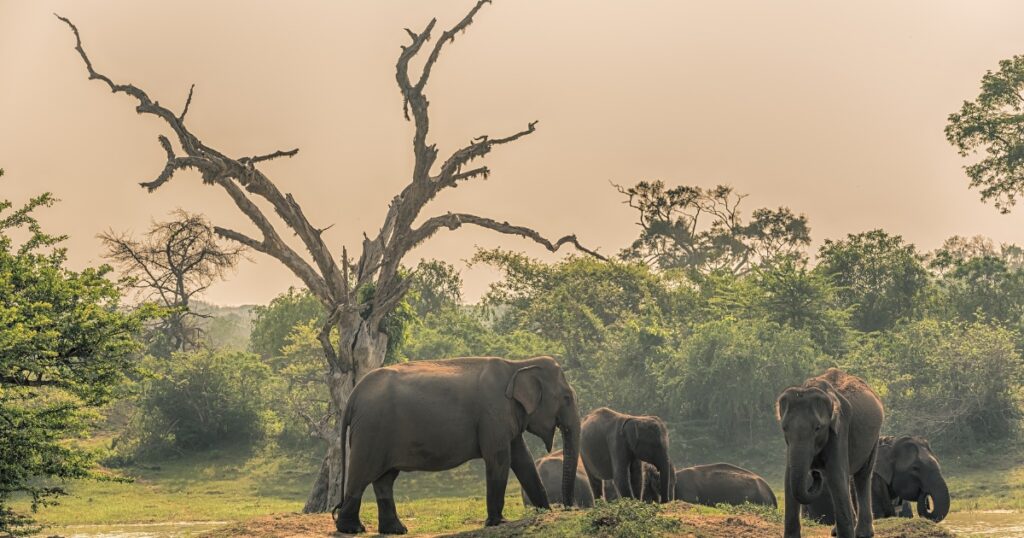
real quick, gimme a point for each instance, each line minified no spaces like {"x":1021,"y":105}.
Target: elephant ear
{"x":884,"y":460}
{"x":631,"y":431}
{"x":904,"y":454}
{"x":525,"y":388}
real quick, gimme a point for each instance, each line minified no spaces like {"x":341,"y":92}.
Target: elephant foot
{"x":494,"y":522}
{"x":393,"y":526}
{"x":349,"y":527}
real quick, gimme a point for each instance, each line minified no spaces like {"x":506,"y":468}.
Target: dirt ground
{"x":694,"y":523}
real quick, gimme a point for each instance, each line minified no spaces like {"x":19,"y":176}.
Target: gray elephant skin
{"x":831,"y":425}
{"x":652,"y":484}
{"x":436,"y":415}
{"x":722,"y":483}
{"x":550,"y":467}
{"x":906,"y":470}
{"x":614,"y":446}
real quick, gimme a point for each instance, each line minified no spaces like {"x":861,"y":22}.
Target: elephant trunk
{"x":570,"y":428}
{"x":806,"y":484}
{"x":666,"y":484}
{"x":938,"y":492}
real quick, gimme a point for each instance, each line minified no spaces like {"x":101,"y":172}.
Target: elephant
{"x":614,"y":446}
{"x":436,"y":415}
{"x":649,"y":493}
{"x":722,"y":483}
{"x":550,"y":469}
{"x":906,"y":470}
{"x":831,"y":425}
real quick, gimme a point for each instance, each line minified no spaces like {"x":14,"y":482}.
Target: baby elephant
{"x":550,"y":469}
{"x":722,"y":483}
{"x":614,"y":445}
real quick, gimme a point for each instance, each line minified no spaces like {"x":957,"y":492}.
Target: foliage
{"x":176,"y":260}
{"x":274,"y":322}
{"x":205,"y":399}
{"x":879,"y":277}
{"x":994,"y":123}
{"x":435,"y":285}
{"x":65,"y":346}
{"x":702,"y":230}
{"x":729,"y":372}
{"x":956,"y":383}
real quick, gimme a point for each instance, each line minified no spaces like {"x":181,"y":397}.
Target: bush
{"x":958,"y":384}
{"x":730,"y":372}
{"x":204,"y":399}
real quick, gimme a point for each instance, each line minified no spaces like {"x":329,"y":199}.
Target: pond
{"x":1001,"y":523}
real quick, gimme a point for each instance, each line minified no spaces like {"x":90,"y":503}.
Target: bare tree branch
{"x":453,"y":221}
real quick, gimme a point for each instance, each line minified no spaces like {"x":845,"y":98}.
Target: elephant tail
{"x":345,"y":420}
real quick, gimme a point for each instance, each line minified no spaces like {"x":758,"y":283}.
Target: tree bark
{"x":367,"y":353}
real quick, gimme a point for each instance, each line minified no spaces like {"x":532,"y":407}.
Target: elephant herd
{"x":437,"y":415}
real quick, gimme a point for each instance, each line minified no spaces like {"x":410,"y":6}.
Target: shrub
{"x":959,"y":384}
{"x":204,"y":399}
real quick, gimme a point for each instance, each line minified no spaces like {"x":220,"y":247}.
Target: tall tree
{"x":994,"y":123}
{"x":175,"y":261}
{"x":879,"y":277}
{"x":358,"y":294}
{"x":65,"y":345}
{"x":704,"y":230}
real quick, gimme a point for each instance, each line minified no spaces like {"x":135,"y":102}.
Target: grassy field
{"x":266,"y":488}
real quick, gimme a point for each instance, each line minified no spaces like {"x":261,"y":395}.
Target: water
{"x":173,"y":529}
{"x":986,"y":523}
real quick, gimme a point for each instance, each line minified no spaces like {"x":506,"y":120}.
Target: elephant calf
{"x":549,"y":468}
{"x":437,"y":415}
{"x":905,"y":470}
{"x":614,"y":445}
{"x":831,"y":425}
{"x":722,"y":483}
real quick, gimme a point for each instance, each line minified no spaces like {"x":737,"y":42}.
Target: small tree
{"x":175,"y":261}
{"x":358,"y":294}
{"x":703,"y":230}
{"x":64,"y":346}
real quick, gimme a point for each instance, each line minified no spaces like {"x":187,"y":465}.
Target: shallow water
{"x":986,"y":523}
{"x":173,"y":529}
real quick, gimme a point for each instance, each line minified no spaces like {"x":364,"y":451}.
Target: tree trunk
{"x":366,"y":353}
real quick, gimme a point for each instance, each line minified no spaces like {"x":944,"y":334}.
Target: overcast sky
{"x":833,"y":109}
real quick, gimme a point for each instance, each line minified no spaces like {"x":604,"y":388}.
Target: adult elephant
{"x":651,"y":487}
{"x":436,"y":415}
{"x":549,"y":467}
{"x":616,"y":444}
{"x":906,"y":469}
{"x":831,"y":425}
{"x":722,"y":483}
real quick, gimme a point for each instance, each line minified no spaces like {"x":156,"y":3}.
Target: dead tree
{"x":358,"y":293}
{"x":175,"y":261}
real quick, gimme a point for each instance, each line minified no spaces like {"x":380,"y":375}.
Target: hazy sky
{"x":833,"y":109}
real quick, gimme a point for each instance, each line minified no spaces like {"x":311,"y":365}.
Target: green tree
{"x":878,"y":276}
{"x":274,"y":322}
{"x":65,"y":345}
{"x":994,"y":124}
{"x":703,"y":230}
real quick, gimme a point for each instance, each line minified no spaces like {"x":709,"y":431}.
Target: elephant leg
{"x":497,"y":466}
{"x":792,"y":518}
{"x":621,"y":461}
{"x":597,"y":486}
{"x":387,"y":514}
{"x":529,"y":479}
{"x":842,"y":503}
{"x":636,"y":478}
{"x":348,"y":516}
{"x":862,"y":486}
